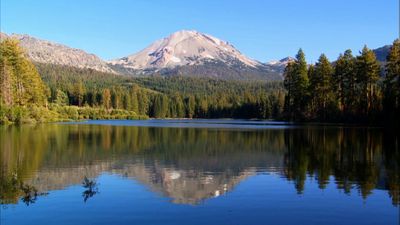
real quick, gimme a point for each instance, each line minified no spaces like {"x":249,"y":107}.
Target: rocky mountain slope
{"x":189,"y":52}
{"x":43,"y":51}
{"x":382,"y":52}
{"x":280,"y":65}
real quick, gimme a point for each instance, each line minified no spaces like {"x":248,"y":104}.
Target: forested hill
{"x":25,"y":98}
{"x":47,"y":92}
{"x":355,"y":89}
{"x":159,"y":96}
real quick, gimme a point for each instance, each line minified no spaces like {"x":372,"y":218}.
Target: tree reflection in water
{"x":12,"y":187}
{"x":91,"y":187}
{"x":206,"y":160}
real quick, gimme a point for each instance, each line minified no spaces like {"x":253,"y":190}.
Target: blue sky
{"x":261,"y":29}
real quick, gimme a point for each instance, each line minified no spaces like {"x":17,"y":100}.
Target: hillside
{"x":43,"y":51}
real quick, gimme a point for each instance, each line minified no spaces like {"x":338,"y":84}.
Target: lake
{"x":198,"y":172}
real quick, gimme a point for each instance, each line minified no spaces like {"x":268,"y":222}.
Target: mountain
{"x":3,"y":36}
{"x":382,"y":52}
{"x":280,"y":65}
{"x":181,"y":185}
{"x":43,"y":51}
{"x":185,"y":53}
{"x":189,"y":52}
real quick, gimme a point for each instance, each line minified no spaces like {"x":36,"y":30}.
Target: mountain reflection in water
{"x":190,"y":165}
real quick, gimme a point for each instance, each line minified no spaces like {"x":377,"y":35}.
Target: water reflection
{"x":91,"y":188}
{"x":12,"y":188}
{"x":190,"y":165}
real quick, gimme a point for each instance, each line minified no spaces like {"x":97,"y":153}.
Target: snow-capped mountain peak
{"x":282,"y":62}
{"x":185,"y":47}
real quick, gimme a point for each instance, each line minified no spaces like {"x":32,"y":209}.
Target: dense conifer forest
{"x":353,"y":89}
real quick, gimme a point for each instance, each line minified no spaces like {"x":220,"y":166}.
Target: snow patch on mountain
{"x":186,"y":47}
{"x":282,"y":62}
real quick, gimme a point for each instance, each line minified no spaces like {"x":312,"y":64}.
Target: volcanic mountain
{"x":192,"y":53}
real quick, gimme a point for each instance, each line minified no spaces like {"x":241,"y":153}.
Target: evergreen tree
{"x":92,"y":98}
{"x":201,"y":108}
{"x":20,"y":77}
{"x":321,"y":88}
{"x":61,"y":98}
{"x":143,"y":103}
{"x":264,"y":107}
{"x":289,"y":86}
{"x":79,"y":93}
{"x":190,"y":106}
{"x":116,"y":98}
{"x":126,"y":100}
{"x":367,"y":76}
{"x":277,"y":101}
{"x":6,"y":83}
{"x":312,"y":104}
{"x":177,"y":106}
{"x":106,"y":99}
{"x":392,"y":83}
{"x":345,"y":83}
{"x":134,"y":98}
{"x":297,"y":85}
{"x":160,"y":106}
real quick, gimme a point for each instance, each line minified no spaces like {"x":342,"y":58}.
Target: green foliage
{"x":349,"y":90}
{"x":21,"y":86}
{"x":360,"y":159}
{"x":177,"y":106}
{"x":23,"y":96}
{"x":367,"y":76}
{"x":344,"y":83}
{"x":173,"y":97}
{"x":322,"y":99}
{"x":160,"y":106}
{"x":190,"y":106}
{"x":61,"y":98}
{"x":392,"y":85}
{"x":296,"y":82}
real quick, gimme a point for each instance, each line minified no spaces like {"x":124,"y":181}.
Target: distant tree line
{"x":351,"y":89}
{"x":164,"y":97}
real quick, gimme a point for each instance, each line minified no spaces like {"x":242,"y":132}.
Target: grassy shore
{"x":56,"y":113}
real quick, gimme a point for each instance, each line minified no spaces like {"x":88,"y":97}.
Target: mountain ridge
{"x":184,"y":53}
{"x":43,"y":51}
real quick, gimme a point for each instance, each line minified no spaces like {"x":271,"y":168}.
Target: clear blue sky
{"x":261,"y":29}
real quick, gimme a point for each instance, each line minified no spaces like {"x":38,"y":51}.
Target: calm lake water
{"x":198,"y":172}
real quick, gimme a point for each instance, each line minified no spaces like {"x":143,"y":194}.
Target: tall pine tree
{"x":367,"y":76}
{"x":392,"y":83}
{"x":321,"y":88}
{"x":345,"y":80}
{"x":296,"y":82}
